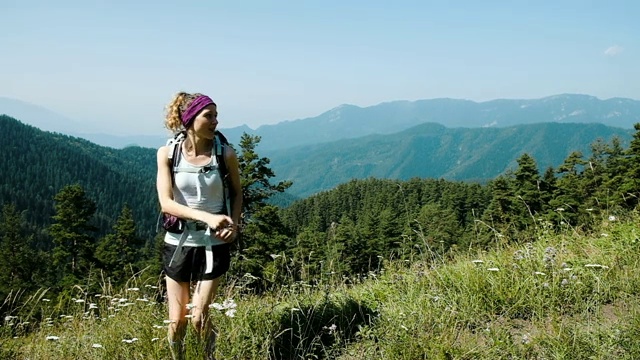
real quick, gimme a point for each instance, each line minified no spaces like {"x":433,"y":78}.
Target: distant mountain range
{"x":350,"y":122}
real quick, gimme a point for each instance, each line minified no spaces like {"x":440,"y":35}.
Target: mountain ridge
{"x":351,"y":121}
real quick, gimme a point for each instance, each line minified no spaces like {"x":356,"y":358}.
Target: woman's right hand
{"x":218,"y":221}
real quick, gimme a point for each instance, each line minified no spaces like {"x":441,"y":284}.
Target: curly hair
{"x":175,"y":108}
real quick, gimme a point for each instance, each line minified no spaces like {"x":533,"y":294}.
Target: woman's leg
{"x":202,"y":297}
{"x":178,"y":298}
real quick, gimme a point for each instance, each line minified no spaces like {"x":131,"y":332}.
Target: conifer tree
{"x":568,"y":201}
{"x":527,"y":188}
{"x":73,"y":234}
{"x":20,"y":263}
{"x":631,"y":184}
{"x":119,"y":252}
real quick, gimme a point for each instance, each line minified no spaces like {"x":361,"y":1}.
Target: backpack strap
{"x":220,"y":144}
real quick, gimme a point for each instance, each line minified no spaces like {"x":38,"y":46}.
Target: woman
{"x":190,"y":187}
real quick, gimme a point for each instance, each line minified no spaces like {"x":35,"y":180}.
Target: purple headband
{"x":194,"y":108}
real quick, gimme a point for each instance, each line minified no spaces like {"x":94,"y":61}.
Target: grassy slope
{"x":566,"y":296}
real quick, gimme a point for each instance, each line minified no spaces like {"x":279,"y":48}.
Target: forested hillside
{"x":36,"y":165}
{"x":434,"y":151}
{"x":57,"y":188}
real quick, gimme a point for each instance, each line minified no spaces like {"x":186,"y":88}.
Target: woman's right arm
{"x":170,"y":206}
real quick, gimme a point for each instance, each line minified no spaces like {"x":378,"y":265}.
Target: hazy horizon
{"x":119,"y":63}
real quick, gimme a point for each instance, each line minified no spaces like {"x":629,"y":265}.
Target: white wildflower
{"x":190,"y":306}
{"x":493,"y":269}
{"x":612,"y":218}
{"x":188,"y":316}
{"x":93,"y":306}
{"x":80,"y":301}
{"x":477,"y":261}
{"x":129,"y":341}
{"x":168,"y":321}
{"x":46,"y":300}
{"x":97,"y":346}
{"x":155,"y":339}
{"x":275,"y":256}
{"x":404,"y":327}
{"x":52,"y":338}
{"x":539,"y":273}
{"x":142,"y":299}
{"x":231,"y":312}
{"x":133,"y":289}
{"x":596,"y":266}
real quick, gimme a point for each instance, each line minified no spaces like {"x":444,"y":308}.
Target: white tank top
{"x":198,"y":190}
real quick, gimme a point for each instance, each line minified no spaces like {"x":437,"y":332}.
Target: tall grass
{"x":565,"y":295}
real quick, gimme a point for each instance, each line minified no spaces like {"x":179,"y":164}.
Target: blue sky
{"x":115,"y":64}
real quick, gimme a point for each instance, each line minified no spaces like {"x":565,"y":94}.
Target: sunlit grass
{"x":564,"y":296}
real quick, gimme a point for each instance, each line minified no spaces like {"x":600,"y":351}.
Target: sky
{"x":114,"y":65}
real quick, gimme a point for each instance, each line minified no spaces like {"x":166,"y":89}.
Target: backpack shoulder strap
{"x":175,"y":152}
{"x":220,"y":144}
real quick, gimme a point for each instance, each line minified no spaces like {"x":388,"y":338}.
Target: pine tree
{"x":120,"y":252}
{"x":255,"y":175}
{"x":631,"y":184}
{"x":73,"y":235}
{"x":20,"y":263}
{"x":567,"y":203}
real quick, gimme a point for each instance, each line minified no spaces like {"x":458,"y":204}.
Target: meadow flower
{"x":404,"y":327}
{"x":596,"y":266}
{"x":188,"y":316}
{"x":97,"y":346}
{"x":539,"y":273}
{"x":612,"y":218}
{"x":477,"y":261}
{"x":230,"y":313}
{"x":190,"y":306}
{"x":93,"y":306}
{"x":331,"y":328}
{"x":52,"y":338}
{"x":79,"y":301}
{"x":129,"y":341}
{"x":151,"y":286}
{"x":158,"y":326}
{"x":45,"y":300}
{"x":133,"y":289}
{"x":564,"y":282}
{"x":275,"y":256}
{"x":155,"y":339}
{"x":167,"y":321}
{"x":493,"y":269}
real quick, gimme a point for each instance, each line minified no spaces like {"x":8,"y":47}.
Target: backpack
{"x":173,"y":223}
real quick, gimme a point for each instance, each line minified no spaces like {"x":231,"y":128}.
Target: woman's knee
{"x":178,"y":326}
{"x":199,"y":318}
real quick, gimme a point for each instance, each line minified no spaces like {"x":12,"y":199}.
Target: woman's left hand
{"x":227,"y":233}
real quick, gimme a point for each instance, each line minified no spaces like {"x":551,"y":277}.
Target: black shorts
{"x":190,"y":263}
